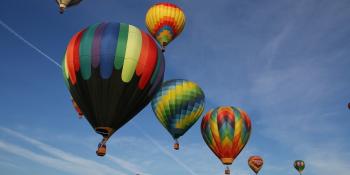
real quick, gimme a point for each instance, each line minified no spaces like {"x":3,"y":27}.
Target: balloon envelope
{"x":112,"y":71}
{"x":299,"y":165}
{"x":255,"y":163}
{"x":77,"y":109}
{"x":178,"y":104}
{"x":226,"y":131}
{"x":165,"y":21}
{"x":63,"y":4}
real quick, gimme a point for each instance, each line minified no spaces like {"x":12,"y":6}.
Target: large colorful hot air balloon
{"x":112,"y":71}
{"x":255,"y":163}
{"x":178,"y":105}
{"x":63,"y":4}
{"x":299,"y":165}
{"x":226,"y":131}
{"x":165,"y":21}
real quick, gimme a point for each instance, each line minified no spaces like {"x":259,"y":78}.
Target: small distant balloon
{"x":299,"y":165}
{"x":63,"y":4}
{"x":348,"y":105}
{"x":255,"y":163}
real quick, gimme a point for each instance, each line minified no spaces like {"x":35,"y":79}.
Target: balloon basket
{"x":176,"y":146}
{"x":101,"y":150}
{"x":227,"y":171}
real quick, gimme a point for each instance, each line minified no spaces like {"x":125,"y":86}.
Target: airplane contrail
{"x":8,"y":28}
{"x":164,"y":150}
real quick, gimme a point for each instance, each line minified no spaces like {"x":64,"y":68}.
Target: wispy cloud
{"x":165,"y":151}
{"x":328,"y":161}
{"x":60,"y":159}
{"x":9,"y":164}
{"x":64,"y":161}
{"x":46,"y":160}
{"x":133,"y":168}
{"x":272,"y":47}
{"x":297,"y":105}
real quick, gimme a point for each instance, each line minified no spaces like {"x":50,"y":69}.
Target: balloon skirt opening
{"x":227,"y":161}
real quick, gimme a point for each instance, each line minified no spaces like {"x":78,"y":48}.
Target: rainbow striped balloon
{"x":226,"y":131}
{"x":165,"y":21}
{"x":112,"y":71}
{"x":178,"y":105}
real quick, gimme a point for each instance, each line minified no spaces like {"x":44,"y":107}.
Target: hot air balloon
{"x":112,"y":71}
{"x":76,"y":107}
{"x":178,"y":105}
{"x":226,"y":131}
{"x":63,"y":4}
{"x":299,"y":165}
{"x":348,"y":105}
{"x":165,"y":21}
{"x":255,"y":163}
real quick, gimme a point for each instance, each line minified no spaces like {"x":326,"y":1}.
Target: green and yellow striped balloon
{"x":178,"y":105}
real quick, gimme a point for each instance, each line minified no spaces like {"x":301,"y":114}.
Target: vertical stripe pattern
{"x":112,"y":71}
{"x":124,"y":45}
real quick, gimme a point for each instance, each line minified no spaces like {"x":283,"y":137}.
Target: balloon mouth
{"x":104,"y":131}
{"x":62,"y":9}
{"x":63,"y":5}
{"x":227,"y":161}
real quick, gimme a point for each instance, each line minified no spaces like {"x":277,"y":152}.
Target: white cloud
{"x":326,"y":161}
{"x":64,"y":161}
{"x":46,"y":160}
{"x":133,"y":168}
{"x":165,"y":151}
{"x":61,"y":160}
{"x":9,"y":164}
{"x":294,"y":105}
{"x":269,"y":51}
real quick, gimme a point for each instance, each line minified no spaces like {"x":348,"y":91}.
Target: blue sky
{"x":285,"y":62}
